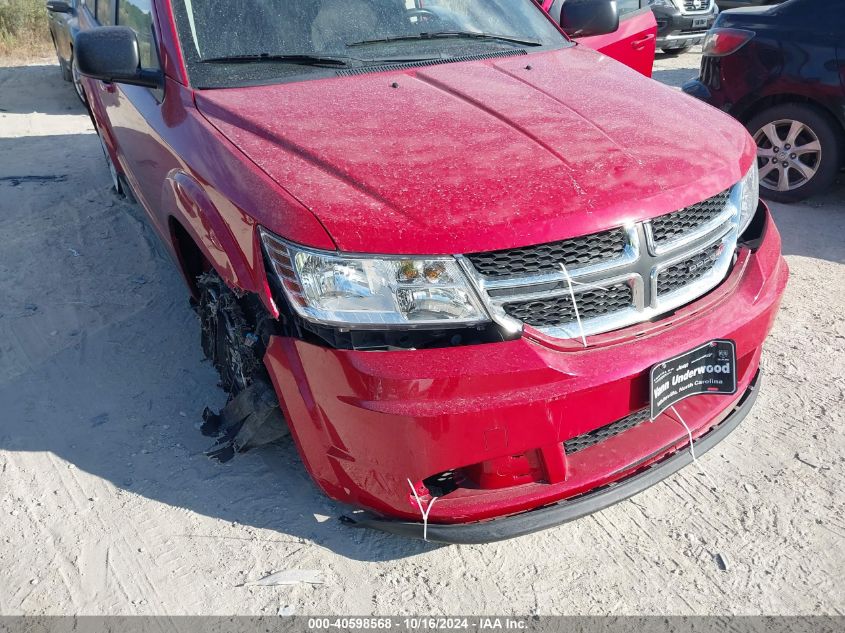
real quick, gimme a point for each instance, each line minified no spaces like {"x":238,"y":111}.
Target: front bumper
{"x":366,"y":423}
{"x":678,"y":30}
{"x":569,"y":509}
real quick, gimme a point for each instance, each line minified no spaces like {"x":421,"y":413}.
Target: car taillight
{"x":721,"y":42}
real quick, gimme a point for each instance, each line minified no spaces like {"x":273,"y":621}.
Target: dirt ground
{"x":108,"y":505}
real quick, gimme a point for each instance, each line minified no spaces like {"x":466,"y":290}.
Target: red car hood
{"x":472,"y":156}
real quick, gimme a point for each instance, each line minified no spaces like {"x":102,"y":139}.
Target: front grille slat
{"x":674,"y":225}
{"x":591,"y":438}
{"x":620,"y":277}
{"x":544,"y":258}
{"x":555,"y":310}
{"x":688,"y":271}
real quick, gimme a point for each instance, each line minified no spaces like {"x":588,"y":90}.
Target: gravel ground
{"x":107,"y":505}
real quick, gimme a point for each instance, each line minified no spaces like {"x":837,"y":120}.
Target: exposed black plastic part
{"x":365,"y":70}
{"x":569,"y":509}
{"x":756,"y":231}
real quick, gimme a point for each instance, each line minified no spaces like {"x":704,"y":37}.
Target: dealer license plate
{"x":699,"y":23}
{"x":708,"y":369}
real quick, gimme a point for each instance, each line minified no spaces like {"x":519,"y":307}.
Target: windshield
{"x":315,"y":34}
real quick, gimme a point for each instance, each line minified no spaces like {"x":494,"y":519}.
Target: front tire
{"x":229,"y":339}
{"x":234,"y":337}
{"x":64,"y":67}
{"x":799,"y":151}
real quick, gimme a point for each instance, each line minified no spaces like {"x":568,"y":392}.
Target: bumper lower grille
{"x":599,"y":435}
{"x":545,"y":258}
{"x":591,"y":304}
{"x":619,"y":277}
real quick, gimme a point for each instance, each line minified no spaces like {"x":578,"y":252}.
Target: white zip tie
{"x":574,"y":304}
{"x":681,"y":420}
{"x":691,"y":449}
{"x":423,"y":512}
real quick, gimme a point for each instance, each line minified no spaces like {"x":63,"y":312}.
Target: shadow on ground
{"x":31,"y":89}
{"x":100,"y":361}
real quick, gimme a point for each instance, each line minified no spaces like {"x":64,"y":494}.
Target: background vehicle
{"x":681,"y":23}
{"x":633,"y":43}
{"x":781,"y":71}
{"x":62,"y":18}
{"x":724,"y":5}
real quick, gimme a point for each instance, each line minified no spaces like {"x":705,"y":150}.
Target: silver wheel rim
{"x":77,"y":80}
{"x":789,"y":154}
{"x":112,"y":170}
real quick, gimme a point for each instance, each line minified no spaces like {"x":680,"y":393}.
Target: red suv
{"x":463,"y":256}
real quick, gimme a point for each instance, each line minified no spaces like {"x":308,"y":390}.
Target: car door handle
{"x":640,"y":43}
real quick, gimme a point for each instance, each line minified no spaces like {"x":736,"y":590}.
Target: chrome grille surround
{"x":688,"y":6}
{"x":641,"y":265}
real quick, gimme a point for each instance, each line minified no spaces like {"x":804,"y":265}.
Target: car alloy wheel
{"x":789,"y":154}
{"x":77,"y":81}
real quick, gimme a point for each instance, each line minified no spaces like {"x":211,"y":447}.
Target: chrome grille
{"x":575,"y":253}
{"x":591,"y":304}
{"x":619,"y":277}
{"x":673,"y":225}
{"x":686,"y":272}
{"x":696,"y":6}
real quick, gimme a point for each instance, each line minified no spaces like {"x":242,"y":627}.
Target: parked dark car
{"x":724,"y":5}
{"x":777,"y":69}
{"x":681,"y":23}
{"x":63,"y":29}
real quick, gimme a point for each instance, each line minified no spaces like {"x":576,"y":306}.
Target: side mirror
{"x":583,"y":18}
{"x":59,"y":7}
{"x":110,"y":53}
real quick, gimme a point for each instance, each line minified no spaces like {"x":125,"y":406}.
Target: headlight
{"x":749,"y":197}
{"x":374,"y":291}
{"x":660,"y":3}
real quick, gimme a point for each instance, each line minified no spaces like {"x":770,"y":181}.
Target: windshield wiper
{"x":303,"y":59}
{"x":458,"y":34}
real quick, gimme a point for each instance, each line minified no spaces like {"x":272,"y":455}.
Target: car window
{"x":216,"y":28}
{"x":137,"y":14}
{"x":105,"y":12}
{"x":624,"y":7}
{"x":627,"y":6}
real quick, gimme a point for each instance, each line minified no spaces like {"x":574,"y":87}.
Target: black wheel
{"x":64,"y":68}
{"x":799,"y":151}
{"x":229,"y":339}
{"x":676,"y":51}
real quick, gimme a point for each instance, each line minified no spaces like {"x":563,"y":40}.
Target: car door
{"x":633,"y":43}
{"x":101,"y":95}
{"x":136,"y":116}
